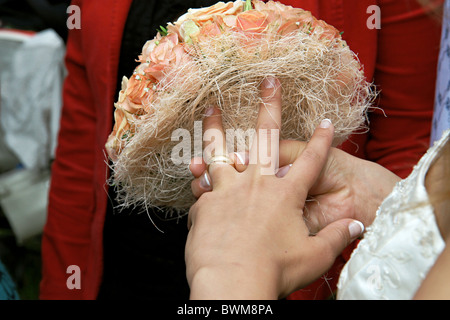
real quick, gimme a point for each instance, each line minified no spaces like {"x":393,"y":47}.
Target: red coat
{"x":401,"y":57}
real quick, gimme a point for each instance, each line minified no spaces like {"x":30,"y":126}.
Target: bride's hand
{"x":347,"y":187}
{"x":247,"y":237}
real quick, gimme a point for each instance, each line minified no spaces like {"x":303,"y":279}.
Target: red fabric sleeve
{"x":66,"y":237}
{"x":405,"y":73}
{"x":73,"y":233}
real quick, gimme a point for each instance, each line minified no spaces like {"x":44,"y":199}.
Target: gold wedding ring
{"x":220,"y":159}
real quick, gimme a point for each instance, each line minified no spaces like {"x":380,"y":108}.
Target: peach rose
{"x":328,"y":32}
{"x":210,"y":29}
{"x":162,"y":52}
{"x":136,"y":89}
{"x":252,"y":21}
{"x":270,"y":5}
{"x":149,"y":46}
{"x":121,"y":132}
{"x":202,"y":15}
{"x":156,"y":71}
{"x":227,"y":21}
{"x":220,"y":24}
{"x":288,"y":26}
{"x":160,"y":56}
{"x":297,"y":19}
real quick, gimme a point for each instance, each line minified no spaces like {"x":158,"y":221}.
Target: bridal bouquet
{"x":219,"y":56}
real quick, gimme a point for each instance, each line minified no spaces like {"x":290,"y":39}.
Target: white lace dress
{"x":400,"y":246}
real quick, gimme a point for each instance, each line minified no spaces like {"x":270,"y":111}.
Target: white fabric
{"x":400,"y":246}
{"x":31,"y":94}
{"x":24,"y":199}
{"x":31,"y":77}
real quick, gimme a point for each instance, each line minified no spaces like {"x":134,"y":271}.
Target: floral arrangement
{"x":219,"y":56}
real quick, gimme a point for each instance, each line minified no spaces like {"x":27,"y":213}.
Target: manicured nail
{"x":326,"y":123}
{"x":269,"y":83}
{"x":209,"y":112}
{"x":205,"y":182}
{"x":356,"y":228}
{"x":240,"y":157}
{"x":283,"y":171}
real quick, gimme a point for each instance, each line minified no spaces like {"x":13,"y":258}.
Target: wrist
{"x":375,"y":184}
{"x":234,"y":281}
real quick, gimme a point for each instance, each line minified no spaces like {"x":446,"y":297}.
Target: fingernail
{"x":269,"y":82}
{"x":356,"y":228}
{"x":209,"y":112}
{"x":241,"y":157}
{"x":326,"y":123}
{"x":205,"y":182}
{"x":283,"y":171}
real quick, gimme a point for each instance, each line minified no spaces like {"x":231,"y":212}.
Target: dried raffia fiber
{"x":320,"y":77}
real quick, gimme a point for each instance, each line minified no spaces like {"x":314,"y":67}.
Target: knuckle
{"x":218,"y":169}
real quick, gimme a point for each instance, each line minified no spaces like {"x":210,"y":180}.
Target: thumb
{"x":319,"y":255}
{"x":336,"y":236}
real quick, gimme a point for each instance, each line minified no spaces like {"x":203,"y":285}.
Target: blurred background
{"x":32,"y":48}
